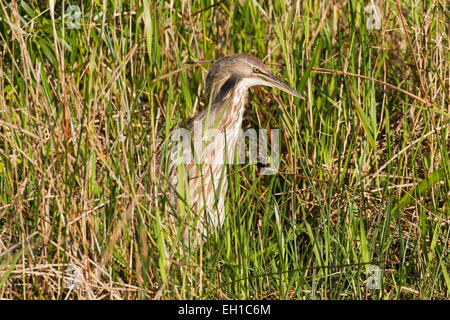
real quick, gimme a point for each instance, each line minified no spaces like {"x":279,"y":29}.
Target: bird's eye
{"x":256,"y":70}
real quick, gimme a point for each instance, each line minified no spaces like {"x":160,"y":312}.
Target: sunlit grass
{"x":364,"y":168}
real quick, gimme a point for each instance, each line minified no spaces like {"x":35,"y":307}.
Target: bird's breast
{"x":211,"y":139}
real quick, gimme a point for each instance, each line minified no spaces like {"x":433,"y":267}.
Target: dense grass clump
{"x":359,"y":208}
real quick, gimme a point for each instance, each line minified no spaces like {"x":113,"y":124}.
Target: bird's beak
{"x":272,"y":81}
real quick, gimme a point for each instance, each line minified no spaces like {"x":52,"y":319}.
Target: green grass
{"x":364,"y":167}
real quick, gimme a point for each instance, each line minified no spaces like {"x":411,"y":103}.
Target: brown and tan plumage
{"x":199,"y":153}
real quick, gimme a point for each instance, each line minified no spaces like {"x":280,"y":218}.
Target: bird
{"x":200,"y":151}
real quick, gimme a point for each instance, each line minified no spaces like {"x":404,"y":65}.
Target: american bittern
{"x":198,"y":181}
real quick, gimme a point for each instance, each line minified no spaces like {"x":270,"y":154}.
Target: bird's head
{"x":241,"y":71}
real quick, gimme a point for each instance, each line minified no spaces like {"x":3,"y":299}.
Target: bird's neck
{"x":231,"y":121}
{"x":230,"y":114}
